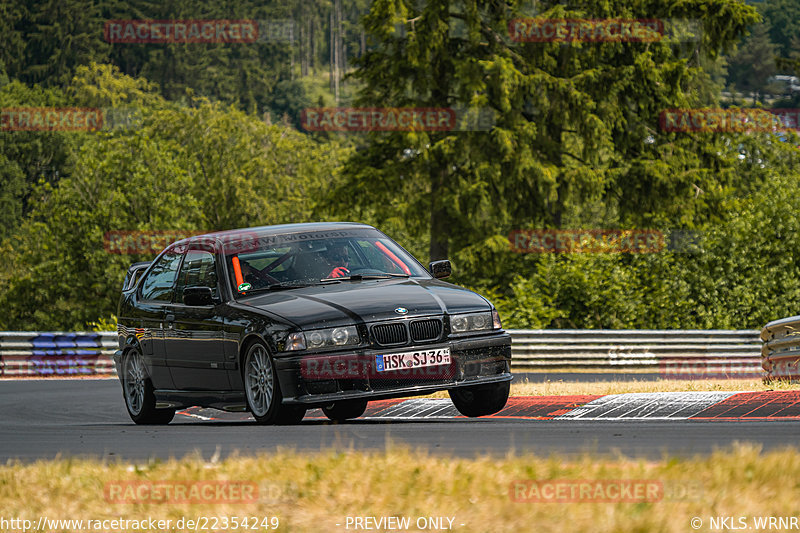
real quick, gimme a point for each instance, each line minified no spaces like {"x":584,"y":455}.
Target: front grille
{"x":388,"y":334}
{"x":426,"y":330}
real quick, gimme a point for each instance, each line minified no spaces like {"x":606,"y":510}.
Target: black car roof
{"x":280,"y":229}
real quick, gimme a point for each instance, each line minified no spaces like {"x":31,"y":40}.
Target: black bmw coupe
{"x":280,"y":319}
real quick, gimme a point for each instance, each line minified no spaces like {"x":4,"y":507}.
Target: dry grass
{"x":315,"y":492}
{"x":557,"y":388}
{"x":562,"y":388}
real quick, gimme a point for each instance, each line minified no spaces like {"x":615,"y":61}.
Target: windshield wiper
{"x":275,"y":287}
{"x":359,"y":277}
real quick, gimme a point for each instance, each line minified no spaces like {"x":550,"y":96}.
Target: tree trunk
{"x":335,"y":50}
{"x":555,"y":134}
{"x":332,"y":47}
{"x":312,"y":45}
{"x":303,"y":47}
{"x":340,"y":43}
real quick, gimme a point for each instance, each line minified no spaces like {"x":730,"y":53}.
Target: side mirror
{"x":198,"y":296}
{"x":440,"y":269}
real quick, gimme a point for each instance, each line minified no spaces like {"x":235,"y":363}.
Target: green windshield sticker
{"x":244,"y":287}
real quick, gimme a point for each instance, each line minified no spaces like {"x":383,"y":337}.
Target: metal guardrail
{"x":674,"y":353}
{"x":62,"y":354}
{"x":780,"y":355}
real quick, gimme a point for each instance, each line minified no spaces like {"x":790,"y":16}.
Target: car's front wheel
{"x":345,"y":410}
{"x":480,"y":400}
{"x":263,"y":394}
{"x":138,"y":391}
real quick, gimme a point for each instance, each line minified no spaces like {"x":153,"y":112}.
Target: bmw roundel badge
{"x":401,"y":311}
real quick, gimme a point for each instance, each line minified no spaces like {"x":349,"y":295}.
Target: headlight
{"x":342,"y":336}
{"x":471,"y":322}
{"x":323,"y":338}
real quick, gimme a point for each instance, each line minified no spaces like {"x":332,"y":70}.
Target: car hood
{"x":351,"y":302}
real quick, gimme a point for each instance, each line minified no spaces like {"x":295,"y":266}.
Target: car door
{"x":194,"y":343}
{"x":153,"y":296}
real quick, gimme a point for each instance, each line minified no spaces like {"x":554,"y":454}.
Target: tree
{"x":244,"y":74}
{"x":204,"y":167}
{"x":754,"y":62}
{"x":782,"y":18}
{"x":59,"y":36}
{"x":29,"y":157}
{"x":575,"y":123}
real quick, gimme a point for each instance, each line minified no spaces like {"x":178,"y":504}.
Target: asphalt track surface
{"x":42,"y":419}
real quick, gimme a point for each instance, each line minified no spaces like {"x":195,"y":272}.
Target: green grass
{"x":314,"y":492}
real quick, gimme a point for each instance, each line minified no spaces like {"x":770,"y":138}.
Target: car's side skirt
{"x":225,"y":400}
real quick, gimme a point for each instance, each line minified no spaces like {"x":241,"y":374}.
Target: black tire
{"x":137,"y":389}
{"x":262,"y":390}
{"x":481,"y":400}
{"x":345,"y":410}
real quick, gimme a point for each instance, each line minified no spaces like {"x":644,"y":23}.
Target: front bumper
{"x":321,"y":379}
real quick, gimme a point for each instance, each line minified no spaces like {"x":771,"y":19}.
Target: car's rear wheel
{"x":138,"y":392}
{"x":480,"y":400}
{"x":263,"y":393}
{"x":345,"y":410}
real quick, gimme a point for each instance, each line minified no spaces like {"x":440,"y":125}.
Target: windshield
{"x":277,"y":262}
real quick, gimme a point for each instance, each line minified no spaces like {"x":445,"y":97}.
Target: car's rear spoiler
{"x":135,"y":272}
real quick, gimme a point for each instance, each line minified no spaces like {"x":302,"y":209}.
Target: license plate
{"x":418,"y":359}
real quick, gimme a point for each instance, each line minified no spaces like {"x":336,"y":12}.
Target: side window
{"x":199,"y":270}
{"x":158,"y":283}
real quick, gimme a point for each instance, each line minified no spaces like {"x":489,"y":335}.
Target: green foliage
{"x":575,"y":125}
{"x":783,"y":20}
{"x":206,"y":167}
{"x":28,"y":158}
{"x":104,"y":324}
{"x":575,"y":143}
{"x":46,"y":42}
{"x":753,"y":63}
